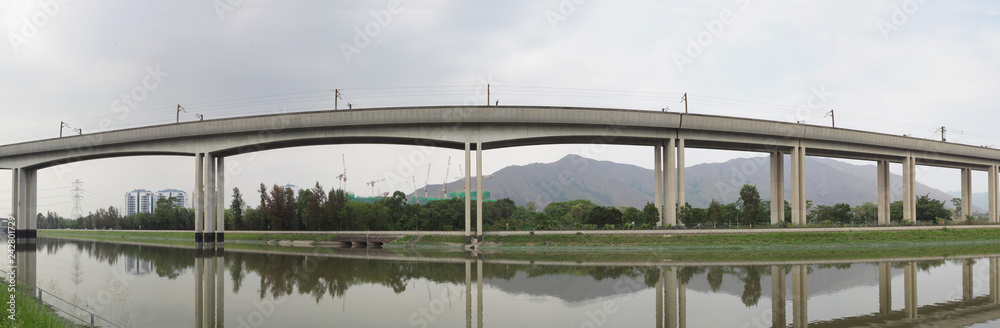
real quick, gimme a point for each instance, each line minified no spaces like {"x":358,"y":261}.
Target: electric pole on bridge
{"x":179,"y":110}
{"x":685,"y":101}
{"x":942,"y":130}
{"x":833,"y":119}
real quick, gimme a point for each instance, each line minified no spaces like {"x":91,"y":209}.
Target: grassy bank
{"x":943,"y":235}
{"x":29,"y":313}
{"x":178,"y":237}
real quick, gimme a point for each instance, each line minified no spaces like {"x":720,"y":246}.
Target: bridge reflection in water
{"x":670,"y":284}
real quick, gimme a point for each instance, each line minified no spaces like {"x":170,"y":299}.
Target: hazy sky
{"x":901,"y":67}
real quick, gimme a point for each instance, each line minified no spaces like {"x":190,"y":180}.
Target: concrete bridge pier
{"x":658,"y":182}
{"x":24,"y":204}
{"x":777,"y":188}
{"x":668,"y":180}
{"x":993,"y":195}
{"x":199,"y":221}
{"x":966,"y":177}
{"x":468,"y":198}
{"x":208,"y":204}
{"x":798,"y":185}
{"x":883,"y":192}
{"x":220,"y":226}
{"x":909,"y":191}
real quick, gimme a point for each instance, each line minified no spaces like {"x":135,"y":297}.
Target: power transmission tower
{"x":77,"y":198}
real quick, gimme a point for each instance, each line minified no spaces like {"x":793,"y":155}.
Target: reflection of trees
{"x":168,"y":261}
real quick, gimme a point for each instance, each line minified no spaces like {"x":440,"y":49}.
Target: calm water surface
{"x":157,"y":286}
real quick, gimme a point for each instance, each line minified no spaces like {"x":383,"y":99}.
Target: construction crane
{"x":444,"y":185}
{"x":343,"y":176}
{"x":372,"y":184}
{"x":427,"y":179}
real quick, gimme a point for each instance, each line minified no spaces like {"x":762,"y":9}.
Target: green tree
{"x":929,"y":209}
{"x":650,"y":214}
{"x":837,"y":213}
{"x":957,"y":202}
{"x":236,"y":207}
{"x":602,"y":215}
{"x":714,"y":213}
{"x":867,"y":212}
{"x":750,"y":204}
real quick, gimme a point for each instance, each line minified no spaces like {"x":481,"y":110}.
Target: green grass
{"x":756,"y":239}
{"x":441,"y":240}
{"x":29,"y":312}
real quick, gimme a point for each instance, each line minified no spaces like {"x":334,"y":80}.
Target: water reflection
{"x":280,"y":286}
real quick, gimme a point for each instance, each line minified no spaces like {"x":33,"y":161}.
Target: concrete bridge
{"x":482,"y":128}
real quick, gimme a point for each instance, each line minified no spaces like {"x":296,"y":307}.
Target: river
{"x":135,"y":285}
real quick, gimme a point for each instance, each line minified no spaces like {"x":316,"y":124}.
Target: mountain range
{"x":608,"y":183}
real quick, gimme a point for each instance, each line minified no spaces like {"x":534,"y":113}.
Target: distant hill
{"x":607,"y":183}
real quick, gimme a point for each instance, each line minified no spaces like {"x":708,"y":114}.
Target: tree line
{"x":316,"y":209}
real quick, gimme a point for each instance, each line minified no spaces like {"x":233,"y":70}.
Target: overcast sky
{"x":901,"y":67}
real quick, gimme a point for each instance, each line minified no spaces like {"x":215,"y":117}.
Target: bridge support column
{"x":681,"y":202}
{"x":777,"y":296}
{"x":670,"y":186}
{"x":658,"y":182}
{"x":799,"y":185}
{"x":883,"y":192}
{"x":479,"y":192}
{"x":13,"y":194}
{"x":909,"y":194}
{"x":800,"y":297}
{"x":966,"y":192}
{"x":992,"y":193}
{"x":468,"y":196}
{"x":24,"y":198}
{"x":209,"y":202}
{"x":777,"y":188}
{"x":199,"y":220}
{"x":220,"y":226}
{"x":884,"y":287}
{"x":910,"y":290}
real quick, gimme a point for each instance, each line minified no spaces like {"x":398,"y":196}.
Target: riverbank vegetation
{"x":314,"y":209}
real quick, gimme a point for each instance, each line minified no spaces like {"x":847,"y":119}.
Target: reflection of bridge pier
{"x":777,"y":296}
{"x":209,"y":272}
{"x":800,"y":297}
{"x":884,"y":287}
{"x":468,"y":293}
{"x":671,"y":300}
{"x":910,"y":290}
{"x":27,"y":265}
